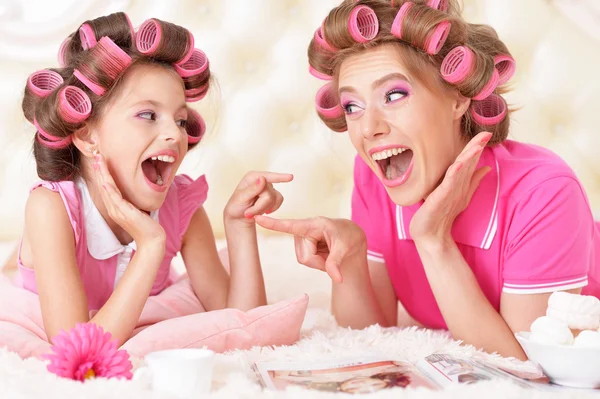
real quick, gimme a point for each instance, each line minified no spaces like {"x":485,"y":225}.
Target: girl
{"x":101,"y":229}
{"x":465,"y":229}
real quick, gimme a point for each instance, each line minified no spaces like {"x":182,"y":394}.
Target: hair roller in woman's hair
{"x":87,"y":36}
{"x":195,"y":127}
{"x":489,"y":111}
{"x":195,"y":65}
{"x":363,"y":24}
{"x":320,"y":40}
{"x":74,"y":106}
{"x":489,"y":87}
{"x":441,"y":5}
{"x":62,"y":52}
{"x":506,"y":67}
{"x":327,"y":103}
{"x":436,"y":40}
{"x":42,"y":83}
{"x":319,"y":75}
{"x":399,"y":20}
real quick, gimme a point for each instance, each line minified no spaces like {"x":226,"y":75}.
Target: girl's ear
{"x":85,"y":141}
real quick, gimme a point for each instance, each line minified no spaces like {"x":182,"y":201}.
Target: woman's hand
{"x":322,"y":243}
{"x":144,"y":230}
{"x":433,"y":221}
{"x":255,"y":195}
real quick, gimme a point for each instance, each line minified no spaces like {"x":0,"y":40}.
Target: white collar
{"x":101,"y":241}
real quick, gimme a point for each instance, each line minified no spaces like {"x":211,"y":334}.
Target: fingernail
{"x":248,"y":216}
{"x":268,"y":212}
{"x":258,"y":181}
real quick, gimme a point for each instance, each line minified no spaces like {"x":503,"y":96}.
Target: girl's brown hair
{"x":55,"y":164}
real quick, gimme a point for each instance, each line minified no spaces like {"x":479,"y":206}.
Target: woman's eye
{"x":182,"y":123}
{"x":149,"y":115}
{"x":395,"y":95}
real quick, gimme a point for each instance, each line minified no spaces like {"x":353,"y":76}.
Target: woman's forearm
{"x":246,"y":283}
{"x":121,"y":312}
{"x":354,"y":303}
{"x":468,"y":314}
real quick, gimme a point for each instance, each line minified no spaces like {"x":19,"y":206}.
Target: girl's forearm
{"x":246,"y":283}
{"x":121,"y":312}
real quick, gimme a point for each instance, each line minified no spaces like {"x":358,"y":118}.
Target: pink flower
{"x":87,"y":352}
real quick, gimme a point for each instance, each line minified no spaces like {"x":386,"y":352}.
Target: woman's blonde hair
{"x":424,"y":20}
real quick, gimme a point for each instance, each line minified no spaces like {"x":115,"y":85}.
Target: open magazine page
{"x":352,"y":376}
{"x":445,"y":369}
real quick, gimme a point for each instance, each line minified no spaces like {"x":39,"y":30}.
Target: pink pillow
{"x":225,"y":330}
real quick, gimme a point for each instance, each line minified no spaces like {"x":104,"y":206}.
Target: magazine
{"x":367,"y":375}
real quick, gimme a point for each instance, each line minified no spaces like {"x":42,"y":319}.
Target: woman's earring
{"x":94,"y":151}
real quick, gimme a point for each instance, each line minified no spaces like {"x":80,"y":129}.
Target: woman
{"x":469,"y":231}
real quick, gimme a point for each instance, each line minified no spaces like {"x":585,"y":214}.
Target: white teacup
{"x":182,"y":372}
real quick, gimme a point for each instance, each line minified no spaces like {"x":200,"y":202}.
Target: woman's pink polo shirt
{"x":528,"y":229}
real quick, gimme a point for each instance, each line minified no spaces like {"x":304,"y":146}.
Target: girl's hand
{"x":322,"y":243}
{"x":255,"y":195}
{"x":437,"y":214}
{"x":143,"y":229}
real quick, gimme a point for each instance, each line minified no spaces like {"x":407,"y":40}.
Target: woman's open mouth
{"x":395,"y":164}
{"x":157,"y":171}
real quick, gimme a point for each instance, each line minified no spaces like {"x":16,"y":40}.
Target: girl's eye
{"x":350,"y":108}
{"x":182,"y":123}
{"x":395,"y":95}
{"x":149,"y":115}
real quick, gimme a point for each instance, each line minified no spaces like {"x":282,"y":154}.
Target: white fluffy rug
{"x":322,"y":339}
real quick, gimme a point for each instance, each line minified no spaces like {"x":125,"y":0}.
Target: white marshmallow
{"x":580,"y":312}
{"x":547,"y":330}
{"x":588,"y":339}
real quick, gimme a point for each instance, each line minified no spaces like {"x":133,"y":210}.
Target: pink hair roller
{"x":62,"y":51}
{"x":457,"y":64}
{"x":320,"y":40}
{"x":87,"y":36}
{"x":195,"y":127}
{"x":95,"y":88}
{"x":191,"y":44}
{"x":319,"y":75}
{"x":327,"y":104}
{"x":441,"y":5}
{"x":148,"y":37}
{"x":74,"y":106}
{"x":491,"y":111}
{"x":49,"y":140}
{"x":197,"y":94}
{"x":489,"y":87}
{"x":435,"y":41}
{"x":197,"y":64}
{"x":44,"y":82}
{"x":506,"y":67}
{"x":130,"y":28}
{"x":398,"y":21}
{"x":114,"y":61}
{"x":363,"y":24}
